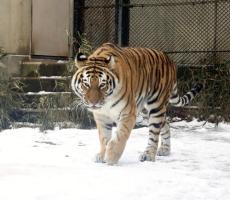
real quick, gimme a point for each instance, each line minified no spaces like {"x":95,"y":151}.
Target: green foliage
{"x":85,"y":46}
{"x":46,"y":118}
{"x":80,"y":115}
{"x":8,"y":98}
{"x":57,"y":110}
{"x":214,"y":100}
{"x":80,"y":44}
{"x":2,"y":52}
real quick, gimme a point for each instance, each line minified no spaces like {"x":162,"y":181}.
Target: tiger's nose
{"x":93,"y":97}
{"x":93,"y":103}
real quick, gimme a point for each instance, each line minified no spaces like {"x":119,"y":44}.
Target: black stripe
{"x":154,"y":133}
{"x":179,"y":100}
{"x":139,"y":101}
{"x":156,"y":98}
{"x":111,"y":92}
{"x":163,"y":69}
{"x":154,"y":110}
{"x":109,"y":126}
{"x":153,"y":101}
{"x":151,"y":93}
{"x":141,"y":90}
{"x":166,"y":138}
{"x":155,"y":141}
{"x":193,"y":92}
{"x":114,"y":84}
{"x":119,"y":99}
{"x":183,"y":100}
{"x":174,"y":96}
{"x":127,"y":103}
{"x":156,"y":58}
{"x":189,"y":96}
{"x":109,"y":82}
{"x":156,"y":125}
{"x":160,"y":115}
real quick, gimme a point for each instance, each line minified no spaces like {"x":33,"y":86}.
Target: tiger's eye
{"x":86,"y":85}
{"x":102,"y":85}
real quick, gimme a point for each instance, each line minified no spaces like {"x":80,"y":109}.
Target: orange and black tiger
{"x":116,"y":84}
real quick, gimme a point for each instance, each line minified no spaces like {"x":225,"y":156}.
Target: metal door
{"x":51,"y":24}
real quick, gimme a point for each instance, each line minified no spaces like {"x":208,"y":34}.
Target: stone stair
{"x":45,"y":89}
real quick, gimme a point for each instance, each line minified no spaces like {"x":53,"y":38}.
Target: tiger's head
{"x":94,"y":79}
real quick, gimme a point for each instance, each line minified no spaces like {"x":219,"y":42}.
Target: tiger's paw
{"x":147,"y":156}
{"x":99,"y":158}
{"x":163,"y":151}
{"x":113,"y":152}
{"x":111,"y":159}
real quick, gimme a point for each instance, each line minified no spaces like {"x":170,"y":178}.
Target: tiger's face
{"x":93,"y":82}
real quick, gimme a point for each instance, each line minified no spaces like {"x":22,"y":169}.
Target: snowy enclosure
{"x":58,"y":165}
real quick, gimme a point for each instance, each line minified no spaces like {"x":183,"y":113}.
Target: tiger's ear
{"x":80,"y":60}
{"x":110,"y":61}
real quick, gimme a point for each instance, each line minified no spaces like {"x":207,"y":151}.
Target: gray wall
{"x":15,"y":26}
{"x":51,"y":20}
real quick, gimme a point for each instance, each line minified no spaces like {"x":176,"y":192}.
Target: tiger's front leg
{"x":104,"y":126}
{"x":116,"y":145}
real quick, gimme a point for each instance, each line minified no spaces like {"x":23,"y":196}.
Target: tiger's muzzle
{"x":94,"y":98}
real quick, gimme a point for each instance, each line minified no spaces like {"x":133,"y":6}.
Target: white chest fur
{"x":112,"y":112}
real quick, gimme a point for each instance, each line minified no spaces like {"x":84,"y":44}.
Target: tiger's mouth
{"x":94,"y":107}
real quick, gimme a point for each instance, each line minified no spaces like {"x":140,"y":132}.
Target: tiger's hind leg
{"x":164,"y":149}
{"x":156,"y":120}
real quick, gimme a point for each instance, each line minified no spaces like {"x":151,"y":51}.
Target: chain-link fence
{"x":97,"y":19}
{"x":194,"y":33}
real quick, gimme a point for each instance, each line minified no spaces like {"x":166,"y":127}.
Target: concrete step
{"x":44,"y":75}
{"x":43,"y":68}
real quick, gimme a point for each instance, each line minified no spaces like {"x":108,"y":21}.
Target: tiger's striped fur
{"x":116,"y":83}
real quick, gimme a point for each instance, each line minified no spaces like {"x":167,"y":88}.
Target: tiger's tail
{"x":178,"y":101}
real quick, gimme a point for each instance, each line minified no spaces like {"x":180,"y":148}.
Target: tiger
{"x":116,"y":83}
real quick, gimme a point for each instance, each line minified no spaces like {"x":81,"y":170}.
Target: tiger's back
{"x":116,"y":83}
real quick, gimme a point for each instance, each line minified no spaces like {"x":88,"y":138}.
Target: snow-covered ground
{"x":59,"y":165}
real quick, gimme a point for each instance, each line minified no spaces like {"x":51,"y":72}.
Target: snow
{"x":58,"y":165}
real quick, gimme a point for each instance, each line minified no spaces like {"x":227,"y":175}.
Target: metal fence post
{"x":215,"y":32}
{"x":122,"y":22}
{"x":78,"y":18}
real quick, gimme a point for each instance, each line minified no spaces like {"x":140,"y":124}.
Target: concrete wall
{"x":15,"y":26}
